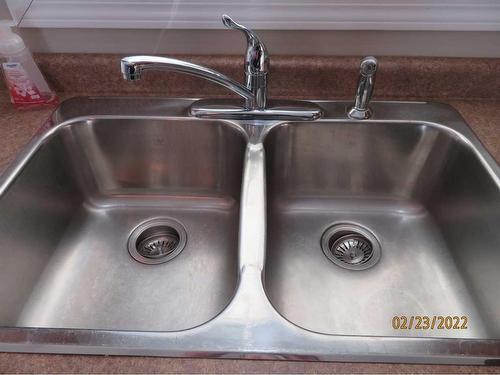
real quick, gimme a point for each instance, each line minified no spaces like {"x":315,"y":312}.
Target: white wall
{"x":456,"y":28}
{"x":319,"y":42}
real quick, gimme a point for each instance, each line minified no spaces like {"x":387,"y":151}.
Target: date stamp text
{"x":426,"y":322}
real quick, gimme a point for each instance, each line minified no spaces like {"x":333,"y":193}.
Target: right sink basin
{"x":372,"y":221}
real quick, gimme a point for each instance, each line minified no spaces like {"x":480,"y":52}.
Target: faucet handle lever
{"x":257,"y":58}
{"x":231,"y":24}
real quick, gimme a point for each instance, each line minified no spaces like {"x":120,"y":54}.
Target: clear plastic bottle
{"x":27,"y":85}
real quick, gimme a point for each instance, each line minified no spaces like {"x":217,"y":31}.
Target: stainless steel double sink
{"x":127,"y":227}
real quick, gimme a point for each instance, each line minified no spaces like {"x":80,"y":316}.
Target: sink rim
{"x":230,"y":333}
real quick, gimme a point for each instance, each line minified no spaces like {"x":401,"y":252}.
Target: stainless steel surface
{"x":426,"y":196}
{"x":255,"y":198}
{"x":364,"y":90}
{"x":255,"y":105}
{"x":80,"y":196}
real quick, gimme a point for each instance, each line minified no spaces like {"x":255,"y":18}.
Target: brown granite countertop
{"x":17,"y":127}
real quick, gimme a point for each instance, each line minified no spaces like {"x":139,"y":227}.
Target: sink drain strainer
{"x":157,"y":241}
{"x":351,"y":246}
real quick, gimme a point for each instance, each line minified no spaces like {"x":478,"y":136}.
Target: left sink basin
{"x":95,"y":188}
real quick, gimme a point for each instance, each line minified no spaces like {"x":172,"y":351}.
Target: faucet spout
{"x":133,"y":66}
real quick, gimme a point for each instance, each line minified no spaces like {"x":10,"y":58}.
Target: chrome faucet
{"x":254,"y":92}
{"x":364,"y":91}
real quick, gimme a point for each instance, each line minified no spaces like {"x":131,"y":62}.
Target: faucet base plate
{"x":275,"y":110}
